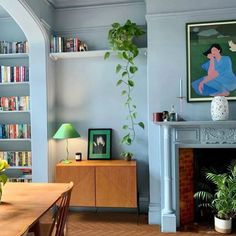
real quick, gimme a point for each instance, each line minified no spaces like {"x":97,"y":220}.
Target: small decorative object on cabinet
{"x":109,"y":183}
{"x":219,"y":108}
{"x":121,"y":39}
{"x":78,"y":156}
{"x":66,"y":131}
{"x":99,"y":144}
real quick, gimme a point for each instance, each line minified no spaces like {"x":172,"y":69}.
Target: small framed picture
{"x":99,"y":144}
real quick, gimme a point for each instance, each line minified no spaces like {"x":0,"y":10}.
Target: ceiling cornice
{"x":62,"y":4}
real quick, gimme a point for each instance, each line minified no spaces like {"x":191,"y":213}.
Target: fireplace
{"x":193,"y":165}
{"x":186,"y":137}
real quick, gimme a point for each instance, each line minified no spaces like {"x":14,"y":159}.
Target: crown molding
{"x":221,"y":11}
{"x":63,"y":4}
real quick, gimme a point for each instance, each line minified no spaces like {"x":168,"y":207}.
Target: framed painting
{"x":99,"y":144}
{"x":211,"y":60}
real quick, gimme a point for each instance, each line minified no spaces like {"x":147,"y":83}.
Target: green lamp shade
{"x":66,"y":131}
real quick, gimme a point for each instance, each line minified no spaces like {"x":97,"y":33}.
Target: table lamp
{"x":66,"y":131}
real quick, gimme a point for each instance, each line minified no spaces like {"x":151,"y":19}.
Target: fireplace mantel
{"x":186,"y":134}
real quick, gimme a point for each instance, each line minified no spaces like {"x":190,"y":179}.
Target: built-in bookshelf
{"x":15,"y":122}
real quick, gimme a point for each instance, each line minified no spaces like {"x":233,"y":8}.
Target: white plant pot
{"x":223,"y":226}
{"x":219,"y":108}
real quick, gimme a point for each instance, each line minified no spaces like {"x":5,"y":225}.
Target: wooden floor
{"x":122,"y":224}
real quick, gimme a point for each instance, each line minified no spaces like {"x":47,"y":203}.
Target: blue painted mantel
{"x":185,"y":134}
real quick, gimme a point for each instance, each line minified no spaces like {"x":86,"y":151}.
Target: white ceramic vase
{"x":219,"y":108}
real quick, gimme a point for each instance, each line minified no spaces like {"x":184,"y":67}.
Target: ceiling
{"x":77,"y":3}
{"x":85,"y":3}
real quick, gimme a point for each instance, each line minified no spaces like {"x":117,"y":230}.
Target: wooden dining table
{"x":23,"y":204}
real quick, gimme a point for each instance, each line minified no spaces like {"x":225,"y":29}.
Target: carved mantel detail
{"x":218,"y":135}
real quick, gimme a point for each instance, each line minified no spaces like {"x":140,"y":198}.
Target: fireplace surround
{"x":186,"y":134}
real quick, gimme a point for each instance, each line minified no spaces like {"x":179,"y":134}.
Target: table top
{"x":24,"y":203}
{"x":99,"y":163}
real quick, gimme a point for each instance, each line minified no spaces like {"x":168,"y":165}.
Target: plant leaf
{"x":115,"y":25}
{"x":119,"y":82}
{"x":123,"y":92}
{"x":3,"y":178}
{"x":106,"y":55}
{"x":125,"y":127}
{"x":133,"y":69}
{"x":118,"y":68}
{"x":141,"y":124}
{"x":131,"y":83}
{"x":124,"y":73}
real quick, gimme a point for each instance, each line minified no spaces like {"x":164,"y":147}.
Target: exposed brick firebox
{"x":186,"y":185}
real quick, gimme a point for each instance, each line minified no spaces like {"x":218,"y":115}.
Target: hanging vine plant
{"x":121,"y":39}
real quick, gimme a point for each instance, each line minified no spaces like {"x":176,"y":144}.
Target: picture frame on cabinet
{"x":211,"y":60}
{"x":99,"y":144}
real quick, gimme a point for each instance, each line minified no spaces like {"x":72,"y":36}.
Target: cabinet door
{"x":83,"y":193}
{"x":116,"y":186}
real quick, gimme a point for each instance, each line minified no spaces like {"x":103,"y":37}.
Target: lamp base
{"x":66,"y":161}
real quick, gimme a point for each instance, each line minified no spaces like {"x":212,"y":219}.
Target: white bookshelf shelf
{"x":14,"y":55}
{"x":86,"y":54}
{"x":20,"y":167}
{"x":15,"y":84}
{"x":15,"y":112}
{"x":15,"y":140}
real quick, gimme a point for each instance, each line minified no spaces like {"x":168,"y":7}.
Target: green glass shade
{"x":66,"y":131}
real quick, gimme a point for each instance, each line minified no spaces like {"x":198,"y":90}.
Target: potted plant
{"x":121,"y":39}
{"x":223,"y":201}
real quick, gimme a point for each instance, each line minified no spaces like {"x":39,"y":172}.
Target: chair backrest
{"x":62,"y":212}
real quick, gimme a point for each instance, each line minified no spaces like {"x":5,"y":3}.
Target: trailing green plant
{"x":223,"y":201}
{"x":121,"y":39}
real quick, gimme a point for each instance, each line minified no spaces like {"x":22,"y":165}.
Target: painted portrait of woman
{"x":211,"y":60}
{"x":220,"y":79}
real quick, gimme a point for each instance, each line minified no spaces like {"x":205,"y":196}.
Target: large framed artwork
{"x":99,"y":144}
{"x":211,"y":60}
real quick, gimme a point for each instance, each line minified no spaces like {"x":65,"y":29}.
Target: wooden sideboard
{"x":98,"y":183}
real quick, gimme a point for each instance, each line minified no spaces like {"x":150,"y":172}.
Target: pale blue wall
{"x":166,"y":64}
{"x":86,"y":92}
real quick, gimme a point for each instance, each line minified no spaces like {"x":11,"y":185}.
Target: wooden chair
{"x":60,"y":217}
{"x":56,"y":223}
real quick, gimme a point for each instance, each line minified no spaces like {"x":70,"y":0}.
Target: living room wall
{"x":166,"y":64}
{"x":86,"y":92}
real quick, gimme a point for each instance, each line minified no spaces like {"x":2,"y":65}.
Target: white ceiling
{"x":84,"y":3}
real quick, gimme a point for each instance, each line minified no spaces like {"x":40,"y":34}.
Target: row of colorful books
{"x":13,"y":74}
{"x":15,"y":103}
{"x":15,"y":158}
{"x":24,"y":179}
{"x":64,"y":44}
{"x":7,"y":47}
{"x":15,"y":131}
{"x":20,"y":175}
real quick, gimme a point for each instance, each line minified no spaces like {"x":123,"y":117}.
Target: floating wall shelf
{"x":87,"y":54}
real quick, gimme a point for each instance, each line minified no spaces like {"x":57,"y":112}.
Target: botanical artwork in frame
{"x":99,"y":144}
{"x":211,"y":60}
